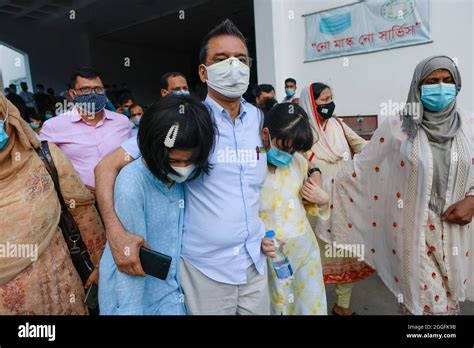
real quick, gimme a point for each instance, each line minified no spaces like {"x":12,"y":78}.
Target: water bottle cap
{"x":270,"y":234}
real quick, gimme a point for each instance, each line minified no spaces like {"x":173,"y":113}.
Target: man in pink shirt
{"x":88,"y":132}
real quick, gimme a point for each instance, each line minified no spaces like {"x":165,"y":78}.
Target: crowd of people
{"x":203,"y":181}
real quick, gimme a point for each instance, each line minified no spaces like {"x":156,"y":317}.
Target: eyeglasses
{"x":89,"y":90}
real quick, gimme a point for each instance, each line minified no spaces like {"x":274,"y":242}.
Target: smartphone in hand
{"x":155,"y":263}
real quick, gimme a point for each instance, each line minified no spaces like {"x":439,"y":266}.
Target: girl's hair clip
{"x":172,"y":135}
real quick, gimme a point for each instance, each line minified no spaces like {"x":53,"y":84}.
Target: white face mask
{"x":135,"y":120}
{"x":229,"y":77}
{"x":180,"y":93}
{"x":184,"y":173}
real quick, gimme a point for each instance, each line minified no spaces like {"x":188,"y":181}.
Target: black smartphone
{"x":92,"y":296}
{"x":155,"y":263}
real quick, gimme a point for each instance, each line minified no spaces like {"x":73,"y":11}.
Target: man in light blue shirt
{"x":222,"y":270}
{"x":213,"y":198}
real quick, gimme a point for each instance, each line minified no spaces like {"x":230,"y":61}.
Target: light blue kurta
{"x":147,"y":207}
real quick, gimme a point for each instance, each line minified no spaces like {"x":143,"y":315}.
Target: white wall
{"x":13,"y":65}
{"x":369,"y":79}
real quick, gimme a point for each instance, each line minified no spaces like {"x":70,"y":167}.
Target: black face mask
{"x":326,"y":110}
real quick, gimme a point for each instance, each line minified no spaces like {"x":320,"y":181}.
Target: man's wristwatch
{"x":312,"y":170}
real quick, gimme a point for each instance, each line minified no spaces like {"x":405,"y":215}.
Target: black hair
{"x":267,"y":104}
{"x":40,"y":86}
{"x":263,"y":88}
{"x":24,"y":86}
{"x":290,"y":124}
{"x":31,"y":112}
{"x":35,"y":116}
{"x":227,"y":27}
{"x":196,"y":131}
{"x":50,"y":91}
{"x":133,"y":106}
{"x":290,"y":79}
{"x":164,"y":78}
{"x":318,"y":88}
{"x":124,"y":97}
{"x":12,"y":88}
{"x":84,"y":72}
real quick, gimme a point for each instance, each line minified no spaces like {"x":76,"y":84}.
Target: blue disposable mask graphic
{"x":34,"y":125}
{"x":437,"y":97}
{"x":278,"y":157}
{"x":336,"y":24}
{"x":48,"y":116}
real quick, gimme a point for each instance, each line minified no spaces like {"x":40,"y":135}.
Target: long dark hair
{"x":196,"y":132}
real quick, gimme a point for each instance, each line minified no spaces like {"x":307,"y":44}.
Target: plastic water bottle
{"x":281,"y":263}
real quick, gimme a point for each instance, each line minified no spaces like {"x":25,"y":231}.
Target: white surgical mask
{"x":135,"y":120}
{"x":184,"y":173}
{"x":180,"y":93}
{"x":229,"y":77}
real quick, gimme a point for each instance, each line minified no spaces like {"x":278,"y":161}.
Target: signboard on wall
{"x":366,"y":26}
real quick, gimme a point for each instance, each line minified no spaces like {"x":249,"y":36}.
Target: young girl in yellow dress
{"x":289,"y":192}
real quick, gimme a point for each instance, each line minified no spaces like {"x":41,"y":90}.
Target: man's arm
{"x":123,"y":244}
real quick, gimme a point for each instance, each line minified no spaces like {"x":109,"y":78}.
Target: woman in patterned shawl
{"x":36,"y":272}
{"x":330,"y":153}
{"x":408,"y":196}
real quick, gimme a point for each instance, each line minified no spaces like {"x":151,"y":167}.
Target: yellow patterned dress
{"x":282,"y":210}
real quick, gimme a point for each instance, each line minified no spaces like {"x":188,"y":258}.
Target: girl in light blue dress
{"x":175,"y":137}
